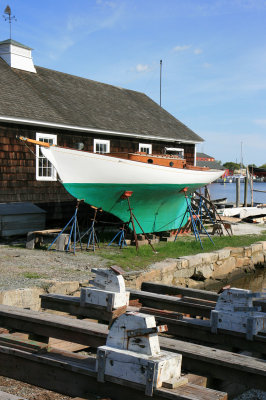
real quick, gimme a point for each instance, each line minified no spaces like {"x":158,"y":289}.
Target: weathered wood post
{"x":237,"y":192}
{"x":246,"y":190}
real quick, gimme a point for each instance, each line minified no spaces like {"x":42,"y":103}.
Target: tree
{"x":231,"y":165}
{"x":263,"y":166}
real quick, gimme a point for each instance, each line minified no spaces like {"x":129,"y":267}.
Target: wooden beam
{"x":56,"y":326}
{"x":74,"y":376}
{"x":219,"y":364}
{"x":179,"y":290}
{"x":71,"y":305}
{"x":194,"y":293}
{"x":200,"y":331}
{"x":171,"y":303}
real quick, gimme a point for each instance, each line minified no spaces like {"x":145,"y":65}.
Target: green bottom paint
{"x":157,"y":207}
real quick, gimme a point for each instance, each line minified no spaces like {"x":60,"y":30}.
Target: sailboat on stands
{"x":157,"y":183}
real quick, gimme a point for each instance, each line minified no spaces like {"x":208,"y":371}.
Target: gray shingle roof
{"x":203,"y":155}
{"x":60,"y":98}
{"x":210,"y":164}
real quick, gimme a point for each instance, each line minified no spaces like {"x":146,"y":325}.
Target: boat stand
{"x":210,"y":209}
{"x":126,"y":195}
{"x":202,"y":206}
{"x":93,"y":240}
{"x":194,"y":218}
{"x":120,"y":236}
{"x":74,"y":231}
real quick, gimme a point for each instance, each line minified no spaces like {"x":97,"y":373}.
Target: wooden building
{"x":70,"y":111}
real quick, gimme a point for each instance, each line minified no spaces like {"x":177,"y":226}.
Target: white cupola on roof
{"x":16,"y":55}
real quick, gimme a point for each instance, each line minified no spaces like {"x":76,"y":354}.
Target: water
{"x":228,"y":190}
{"x":252,"y":281}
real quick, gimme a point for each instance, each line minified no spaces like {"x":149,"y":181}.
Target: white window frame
{"x":101,"y":141}
{"x":179,"y":149}
{"x":40,"y":136}
{"x":145,"y":146}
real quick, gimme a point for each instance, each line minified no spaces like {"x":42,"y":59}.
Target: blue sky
{"x":213,"y":52}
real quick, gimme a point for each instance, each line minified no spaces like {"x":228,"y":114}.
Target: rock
{"x":223,"y":253}
{"x":256,"y":247}
{"x":225,"y":268}
{"x":209,"y":258}
{"x":193,"y":261}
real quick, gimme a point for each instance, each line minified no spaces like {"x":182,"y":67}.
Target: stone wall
{"x":202,"y":269}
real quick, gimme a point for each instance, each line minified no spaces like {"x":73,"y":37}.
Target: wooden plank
{"x":200,"y":331}
{"x":171,"y":303}
{"x":71,"y":305}
{"x":22,"y":343}
{"x":217,"y":363}
{"x":74,"y":376}
{"x":176,"y":290}
{"x":194,"y":293}
{"x":55,"y":326}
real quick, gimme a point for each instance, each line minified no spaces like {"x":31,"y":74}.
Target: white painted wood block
{"x":108,"y":280}
{"x":235,"y":311}
{"x":101,"y":298}
{"x":108,"y":290}
{"x":132,"y":367}
{"x":132,"y":353}
{"x":145,"y":344}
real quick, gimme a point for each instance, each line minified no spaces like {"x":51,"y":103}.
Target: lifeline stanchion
{"x":74,"y":230}
{"x":120,"y":237}
{"x":126,"y":195}
{"x":193,"y":218}
{"x":93,"y":239}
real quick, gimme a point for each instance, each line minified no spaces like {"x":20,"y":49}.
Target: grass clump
{"x":130,"y":259}
{"x":32,"y":275}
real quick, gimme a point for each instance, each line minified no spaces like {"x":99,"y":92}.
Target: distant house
{"x":204,"y":157}
{"x":70,"y":111}
{"x":204,"y":160}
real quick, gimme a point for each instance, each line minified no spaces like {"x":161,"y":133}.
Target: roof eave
{"x":75,"y":128}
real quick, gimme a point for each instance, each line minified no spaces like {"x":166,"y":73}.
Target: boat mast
{"x":161,"y":64}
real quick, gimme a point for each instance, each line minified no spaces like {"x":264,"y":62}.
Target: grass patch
{"x":129,"y":259}
{"x":32,"y":275}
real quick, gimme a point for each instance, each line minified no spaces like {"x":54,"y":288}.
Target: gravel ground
{"x":32,"y":267}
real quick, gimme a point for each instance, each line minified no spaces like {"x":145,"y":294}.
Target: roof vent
{"x":16,"y":55}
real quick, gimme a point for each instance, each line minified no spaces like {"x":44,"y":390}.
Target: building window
{"x":175,"y":151}
{"x":145,"y":148}
{"x":44,"y":169}
{"x":101,"y":146}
